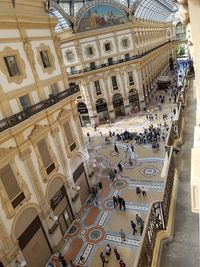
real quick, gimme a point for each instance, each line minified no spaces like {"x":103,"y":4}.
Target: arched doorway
{"x":134,"y":101}
{"x":32,"y":240}
{"x":102,"y":110}
{"x":57,"y":196}
{"x":83,"y":114}
{"x":118,"y":105}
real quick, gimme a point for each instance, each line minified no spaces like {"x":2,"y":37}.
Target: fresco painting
{"x":101,"y":16}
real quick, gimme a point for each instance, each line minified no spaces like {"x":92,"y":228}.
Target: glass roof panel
{"x":154,"y":10}
{"x":62,"y":23}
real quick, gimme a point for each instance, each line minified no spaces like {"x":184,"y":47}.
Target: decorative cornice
{"x":37,"y":130}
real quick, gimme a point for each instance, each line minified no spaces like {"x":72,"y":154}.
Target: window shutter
{"x":9,"y":182}
{"x":68,"y":133}
{"x":44,"y":153}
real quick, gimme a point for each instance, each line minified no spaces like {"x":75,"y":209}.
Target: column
{"x":7,"y":248}
{"x":109,"y":98}
{"x":61,"y":153}
{"x":99,"y":51}
{"x":139,"y":83}
{"x":91,"y":106}
{"x":125,"y":93}
{"x":29,"y":166}
{"x":79,"y":54}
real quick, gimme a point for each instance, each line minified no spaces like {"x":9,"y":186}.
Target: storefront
{"x":83,"y":114}
{"x":80,"y":179}
{"x":32,"y":238}
{"x":118,"y":105}
{"x":60,"y":204}
{"x":134,"y":101}
{"x":102,"y":110}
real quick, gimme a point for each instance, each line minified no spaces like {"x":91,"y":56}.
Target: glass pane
{"x":25,"y":101}
{"x":12,"y":66}
{"x":45,"y":59}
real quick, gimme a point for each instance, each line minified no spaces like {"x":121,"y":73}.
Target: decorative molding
{"x":46,"y":48}
{"x":73,"y":55}
{"x":30,"y":168}
{"x":29,"y":51}
{"x":20,"y":63}
{"x":37,"y":130}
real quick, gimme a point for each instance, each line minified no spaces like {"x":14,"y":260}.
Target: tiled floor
{"x":101,"y":224}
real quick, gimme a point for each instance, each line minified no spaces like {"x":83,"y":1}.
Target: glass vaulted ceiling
{"x":154,"y":10}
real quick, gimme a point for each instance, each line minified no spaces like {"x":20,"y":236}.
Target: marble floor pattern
{"x":101,"y":224}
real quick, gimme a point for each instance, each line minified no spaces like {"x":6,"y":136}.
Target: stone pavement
{"x":100,"y":224}
{"x":183,"y":250}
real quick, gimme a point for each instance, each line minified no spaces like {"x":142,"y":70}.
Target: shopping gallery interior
{"x":99,"y":133}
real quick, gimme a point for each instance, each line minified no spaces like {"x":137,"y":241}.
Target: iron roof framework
{"x":153,"y":10}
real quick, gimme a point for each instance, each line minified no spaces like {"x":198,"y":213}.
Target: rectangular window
{"x":130,"y":78}
{"x":11,"y":185}
{"x":72,"y":70}
{"x":69,"y":135}
{"x":69,"y":55}
{"x":110,"y":61}
{"x":90,"y":50}
{"x":97,"y":87}
{"x":92,"y":65}
{"x":45,"y":156}
{"x":114,"y":82}
{"x":45,"y":59}
{"x":12,"y":66}
{"x":25,"y":101}
{"x":125,"y":43}
{"x":107,"y":46}
{"x":54,"y":88}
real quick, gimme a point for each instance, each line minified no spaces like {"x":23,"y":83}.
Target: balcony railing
{"x":158,"y":215}
{"x":115,"y":62}
{"x":32,"y":110}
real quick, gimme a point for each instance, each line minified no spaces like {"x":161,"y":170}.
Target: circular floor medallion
{"x":95,"y":234}
{"x":109,"y":204}
{"x":113,"y":153}
{"x":149,"y":171}
{"x":72,"y":229}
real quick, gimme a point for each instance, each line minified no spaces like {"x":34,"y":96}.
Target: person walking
{"x":103,"y":258}
{"x":108,"y":249}
{"x":72,"y":264}
{"x":132,"y":148}
{"x":116,"y":253}
{"x":115,"y":202}
{"x":122,"y":263}
{"x":138,"y":219}
{"x":123,"y":204}
{"x":133,"y":225}
{"x":141,"y":227}
{"x":120,"y":167}
{"x":144,"y":193}
{"x":119,"y":200}
{"x":116,"y":149}
{"x":122,"y":235}
{"x":174,"y":111}
{"x":62,"y":260}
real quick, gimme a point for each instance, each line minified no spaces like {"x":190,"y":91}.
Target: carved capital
{"x":29,"y":51}
{"x":25,"y":154}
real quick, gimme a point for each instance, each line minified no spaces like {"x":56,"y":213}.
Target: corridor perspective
{"x":99,"y":133}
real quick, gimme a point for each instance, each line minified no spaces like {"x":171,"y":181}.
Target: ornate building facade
{"x":44,"y":174}
{"x":116,"y":67}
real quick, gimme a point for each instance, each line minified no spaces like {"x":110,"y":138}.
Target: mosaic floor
{"x":100,"y":224}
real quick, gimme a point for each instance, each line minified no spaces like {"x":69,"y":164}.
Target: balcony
{"x":128,"y":58}
{"x":32,"y":110}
